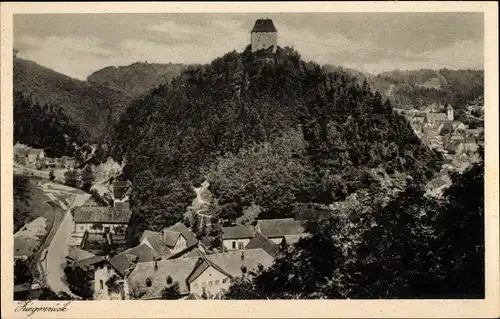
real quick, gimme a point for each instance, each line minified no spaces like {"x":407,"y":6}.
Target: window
{"x":148,"y":282}
{"x":203,"y":284}
{"x":109,"y":292}
{"x":101,"y":284}
{"x":108,"y":268}
{"x":217,"y":282}
{"x":240,"y":245}
{"x":234,"y":245}
{"x":210,"y":283}
{"x":224,"y":280}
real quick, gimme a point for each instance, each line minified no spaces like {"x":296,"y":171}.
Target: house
{"x":209,"y":275}
{"x":458,"y":126}
{"x":260,"y":241}
{"x":115,"y":269}
{"x":100,"y":220}
{"x":436,"y":186}
{"x":76,"y":254}
{"x":435,"y":118}
{"x":171,"y":242}
{"x":277,"y":230}
{"x":446,"y":127}
{"x":236,"y":237}
{"x":264,"y":35}
{"x":449,"y":112}
{"x":31,"y":157}
{"x":470,"y":144}
{"x":120,"y":189}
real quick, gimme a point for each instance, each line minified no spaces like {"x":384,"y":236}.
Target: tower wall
{"x":263,"y":40}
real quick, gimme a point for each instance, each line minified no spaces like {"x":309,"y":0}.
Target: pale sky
{"x":79,"y":44}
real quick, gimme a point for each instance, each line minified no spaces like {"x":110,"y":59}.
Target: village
{"x":91,"y":237}
{"x":437,"y":127}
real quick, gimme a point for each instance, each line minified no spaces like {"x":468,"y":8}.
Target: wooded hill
{"x":136,"y":79}
{"x":270,"y":130}
{"x":420,"y":88}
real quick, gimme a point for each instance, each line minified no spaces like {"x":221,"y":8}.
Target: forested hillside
{"x":317,"y":134}
{"x":45,"y":126}
{"x":91,"y":107}
{"x":420,"y":88}
{"x":136,"y":79}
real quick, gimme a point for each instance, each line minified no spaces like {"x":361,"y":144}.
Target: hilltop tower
{"x":449,"y":112}
{"x":264,"y":35}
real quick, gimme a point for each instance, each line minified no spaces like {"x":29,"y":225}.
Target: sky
{"x":79,"y":44}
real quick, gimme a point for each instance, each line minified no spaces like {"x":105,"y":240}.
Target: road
{"x":58,"y":249}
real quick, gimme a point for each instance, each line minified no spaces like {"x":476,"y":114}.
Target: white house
{"x":171,"y":241}
{"x":236,"y":237}
{"x":99,"y":220}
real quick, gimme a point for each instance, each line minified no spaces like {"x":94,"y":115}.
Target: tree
{"x":48,"y":294}
{"x":171,"y":291}
{"x":22,"y":272}
{"x":79,"y":281}
{"x":88,"y":177}
{"x":72,"y":178}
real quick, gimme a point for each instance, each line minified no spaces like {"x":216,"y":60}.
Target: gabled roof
{"x":93,"y":214}
{"x":138,"y":254}
{"x":202,"y":265}
{"x":170,"y":237}
{"x":148,"y":233}
{"x":76,"y":254}
{"x":259,"y":241}
{"x":280,"y":227}
{"x":231,"y":262}
{"x":183,"y":268}
{"x":87,"y":262}
{"x":158,"y":245}
{"x":190,"y":237}
{"x":178,"y":269}
{"x":264,"y":25}
{"x":436,"y":117}
{"x":237,"y":232}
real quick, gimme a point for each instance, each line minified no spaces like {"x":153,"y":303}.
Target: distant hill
{"x":138,"y":78}
{"x":92,"y":107}
{"x":419,"y":88}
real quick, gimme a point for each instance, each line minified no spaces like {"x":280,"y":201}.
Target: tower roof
{"x":449,"y":107}
{"x":264,"y":25}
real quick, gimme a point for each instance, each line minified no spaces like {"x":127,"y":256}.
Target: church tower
{"x":264,"y":35}
{"x":449,"y":112}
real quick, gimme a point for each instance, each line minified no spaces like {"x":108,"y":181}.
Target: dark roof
{"x":159,"y":245}
{"x":138,"y":254}
{"x":91,"y":214}
{"x":148,"y":233}
{"x":260,"y":241}
{"x":280,"y":227}
{"x":77,"y":253}
{"x":87,"y":262}
{"x":120,"y":188}
{"x":264,"y":25}
{"x":188,"y":235}
{"x":170,"y":237}
{"x":202,"y":265}
{"x":236,"y":232}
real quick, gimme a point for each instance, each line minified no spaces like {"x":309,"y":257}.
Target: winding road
{"x":58,"y":250}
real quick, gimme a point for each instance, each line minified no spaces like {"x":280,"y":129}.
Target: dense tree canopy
{"x":245,"y":104}
{"x":44,"y":127}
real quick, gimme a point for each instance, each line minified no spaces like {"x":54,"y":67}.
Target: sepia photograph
{"x":247,"y":156}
